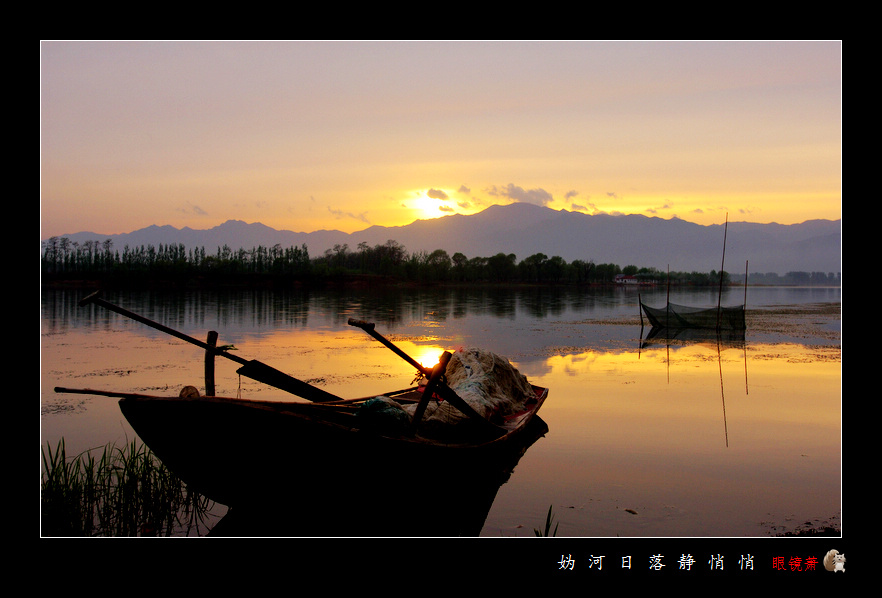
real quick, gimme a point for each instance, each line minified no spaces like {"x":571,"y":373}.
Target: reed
{"x":548,"y":531}
{"x":120,"y":491}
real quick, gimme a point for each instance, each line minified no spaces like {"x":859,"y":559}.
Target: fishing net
{"x":682,"y":316}
{"x":488,"y":381}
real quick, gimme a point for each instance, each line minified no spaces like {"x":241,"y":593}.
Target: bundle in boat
{"x":487,"y":382}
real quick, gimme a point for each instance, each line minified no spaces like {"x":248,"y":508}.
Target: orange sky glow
{"x":342,"y":135}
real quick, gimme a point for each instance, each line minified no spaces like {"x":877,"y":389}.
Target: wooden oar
{"x":370,"y":328}
{"x":250,"y":368}
{"x":436,"y":381}
{"x":104,"y":393}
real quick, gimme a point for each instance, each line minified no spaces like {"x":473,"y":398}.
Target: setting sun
{"x":431,"y":203}
{"x":427,"y":356}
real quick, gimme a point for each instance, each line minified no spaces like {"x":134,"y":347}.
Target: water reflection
{"x":373,"y":494}
{"x":663,"y":425}
{"x":728,"y":338}
{"x":666,"y":336}
{"x":672,"y":433}
{"x":390,"y":308}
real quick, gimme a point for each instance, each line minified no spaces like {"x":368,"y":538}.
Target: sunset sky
{"x":343,"y":135}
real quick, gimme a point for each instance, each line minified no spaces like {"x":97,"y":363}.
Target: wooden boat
{"x":248,"y":454}
{"x":327,"y":455}
{"x":219,"y":443}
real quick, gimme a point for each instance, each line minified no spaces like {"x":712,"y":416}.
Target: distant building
{"x":626,"y":279}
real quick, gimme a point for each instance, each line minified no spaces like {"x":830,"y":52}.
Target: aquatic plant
{"x":125,"y":491}
{"x":547,"y":533}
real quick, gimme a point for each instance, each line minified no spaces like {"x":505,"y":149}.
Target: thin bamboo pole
{"x":722,"y":265}
{"x":668,"y":300}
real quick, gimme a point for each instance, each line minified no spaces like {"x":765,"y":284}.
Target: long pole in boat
{"x":253,"y":369}
{"x":720,"y":294}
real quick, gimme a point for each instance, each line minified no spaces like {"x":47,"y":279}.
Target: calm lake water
{"x":646,"y":438}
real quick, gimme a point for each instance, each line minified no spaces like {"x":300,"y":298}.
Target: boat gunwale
{"x":325,"y":414}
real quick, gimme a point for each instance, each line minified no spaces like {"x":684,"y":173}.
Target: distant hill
{"x":525,"y":229}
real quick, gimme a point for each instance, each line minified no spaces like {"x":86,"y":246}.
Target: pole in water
{"x":668,"y":300}
{"x":640,"y":309}
{"x":722,"y":265}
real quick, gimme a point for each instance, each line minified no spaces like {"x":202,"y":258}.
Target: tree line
{"x":63,"y":260}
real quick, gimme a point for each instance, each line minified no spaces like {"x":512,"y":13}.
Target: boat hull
{"x":262,"y":458}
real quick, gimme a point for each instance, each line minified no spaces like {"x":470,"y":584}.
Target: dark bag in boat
{"x":383,"y":415}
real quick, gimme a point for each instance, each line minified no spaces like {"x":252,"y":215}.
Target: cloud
{"x":192,"y":209}
{"x":340,"y":214}
{"x":586,"y":208}
{"x":463,"y":189}
{"x":436,"y":194}
{"x":539,"y":197}
{"x":664,"y":207}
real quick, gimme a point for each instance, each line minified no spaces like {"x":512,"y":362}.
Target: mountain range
{"x":525,"y":229}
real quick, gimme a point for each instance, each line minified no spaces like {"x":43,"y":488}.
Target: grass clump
{"x":548,"y":532}
{"x":123,"y":491}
